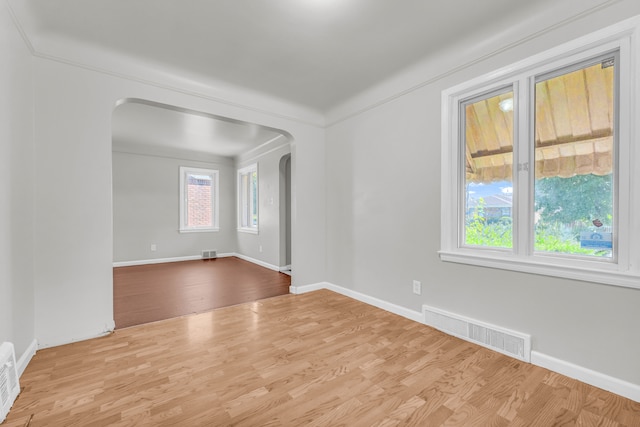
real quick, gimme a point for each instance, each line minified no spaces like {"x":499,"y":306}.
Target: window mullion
{"x":523,"y":169}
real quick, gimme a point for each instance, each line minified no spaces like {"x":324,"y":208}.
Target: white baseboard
{"x":107,"y":328}
{"x":58,"y":341}
{"x":416,"y":316}
{"x":308,"y":288}
{"x":588,"y":376}
{"x":258,"y":262}
{"x":163,"y":260}
{"x":196,"y":257}
{"x":26,"y":357}
{"x":285,"y":268}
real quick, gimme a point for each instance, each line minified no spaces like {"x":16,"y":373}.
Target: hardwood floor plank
{"x":317,"y":359}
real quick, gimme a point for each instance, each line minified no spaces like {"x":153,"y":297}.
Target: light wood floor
{"x":146,"y":293}
{"x":317,"y":359}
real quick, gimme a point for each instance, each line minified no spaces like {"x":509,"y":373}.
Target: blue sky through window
{"x":477,"y":190}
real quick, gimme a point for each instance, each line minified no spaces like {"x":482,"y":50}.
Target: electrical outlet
{"x":260,"y":248}
{"x":417,"y":287}
{"x":153,"y":247}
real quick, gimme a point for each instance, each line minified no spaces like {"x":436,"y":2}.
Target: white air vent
{"x":209,"y":254}
{"x":9,"y":384}
{"x":514,"y":344}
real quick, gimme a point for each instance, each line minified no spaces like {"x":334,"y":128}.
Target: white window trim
{"x":248,"y":169}
{"x":184,"y":171}
{"x":626,"y":270}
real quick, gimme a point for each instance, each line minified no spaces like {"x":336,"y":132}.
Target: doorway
{"x":151,"y":145}
{"x":285,"y":214}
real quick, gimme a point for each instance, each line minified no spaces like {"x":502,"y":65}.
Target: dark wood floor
{"x":147,"y":293}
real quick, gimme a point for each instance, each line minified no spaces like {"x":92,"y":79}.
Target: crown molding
{"x":20,"y":28}
{"x":178,"y":89}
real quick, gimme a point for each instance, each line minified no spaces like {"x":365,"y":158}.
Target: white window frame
{"x":623,"y":270}
{"x":248,"y":228}
{"x":214,"y":175}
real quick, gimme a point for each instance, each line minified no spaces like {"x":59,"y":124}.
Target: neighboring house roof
{"x":493,"y":201}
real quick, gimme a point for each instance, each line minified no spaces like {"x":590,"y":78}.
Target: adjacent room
{"x":319,"y":212}
{"x":188,"y":186}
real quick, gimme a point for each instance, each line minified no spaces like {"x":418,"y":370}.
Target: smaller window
{"x":198,"y":199}
{"x":248,"y":199}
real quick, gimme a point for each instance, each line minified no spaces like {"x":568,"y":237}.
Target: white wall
{"x":73,"y":222}
{"x":16,"y":188}
{"x":383,"y":211}
{"x":146,"y":208}
{"x":265,"y":246}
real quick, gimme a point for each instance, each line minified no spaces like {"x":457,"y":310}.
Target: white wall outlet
{"x":260,"y":248}
{"x":417,"y":287}
{"x":153,"y":247}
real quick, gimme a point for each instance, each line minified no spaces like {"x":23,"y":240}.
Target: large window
{"x":198,"y":199}
{"x":537,"y":168}
{"x":248,"y":199}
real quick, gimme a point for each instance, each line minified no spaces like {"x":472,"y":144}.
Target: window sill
{"x":604,"y":275}
{"x":248,"y":230}
{"x":198,"y":230}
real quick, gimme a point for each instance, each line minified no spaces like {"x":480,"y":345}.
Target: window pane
{"x":488,"y":184}
{"x":254,"y":199}
{"x":199,"y":206}
{"x":574,"y":162}
{"x":248,"y":197}
{"x":244,"y":194}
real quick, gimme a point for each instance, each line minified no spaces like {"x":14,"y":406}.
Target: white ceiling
{"x":315,"y":53}
{"x":156,"y":128}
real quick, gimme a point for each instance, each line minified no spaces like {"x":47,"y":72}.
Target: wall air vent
{"x":514,"y":344}
{"x":209,"y":254}
{"x":9,"y":383}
